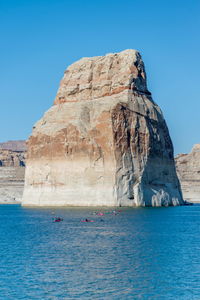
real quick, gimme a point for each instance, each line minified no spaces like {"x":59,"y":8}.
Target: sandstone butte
{"x":188,"y":170}
{"x":104,"y":142}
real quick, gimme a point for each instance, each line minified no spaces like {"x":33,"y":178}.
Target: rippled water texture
{"x":143,"y":253}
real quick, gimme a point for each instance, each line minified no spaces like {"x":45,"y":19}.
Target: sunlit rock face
{"x":104,"y":142}
{"x":188,"y":170}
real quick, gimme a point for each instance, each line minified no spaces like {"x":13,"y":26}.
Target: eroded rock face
{"x":11,"y":184}
{"x":9,"y":158}
{"x":104,"y":142}
{"x":12,"y":170}
{"x":188,"y":170}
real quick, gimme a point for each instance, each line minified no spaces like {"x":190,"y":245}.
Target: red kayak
{"x":58,"y":220}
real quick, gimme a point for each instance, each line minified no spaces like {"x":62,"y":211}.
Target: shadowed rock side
{"x":188,"y":171}
{"x":104,"y":142}
{"x":144,"y":155}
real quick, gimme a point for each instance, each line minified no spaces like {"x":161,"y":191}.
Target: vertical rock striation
{"x":188,"y":170}
{"x":103,"y":142}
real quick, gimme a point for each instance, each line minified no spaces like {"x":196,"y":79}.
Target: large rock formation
{"x":104,"y":142}
{"x":12,"y":169}
{"x":188,"y":170}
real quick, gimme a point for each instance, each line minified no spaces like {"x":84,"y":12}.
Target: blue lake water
{"x":141,"y":253}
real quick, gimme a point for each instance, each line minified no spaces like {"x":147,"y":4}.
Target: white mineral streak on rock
{"x":188,"y":171}
{"x":104,"y":142}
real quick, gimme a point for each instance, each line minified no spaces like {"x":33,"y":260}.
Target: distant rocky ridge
{"x":12,"y":170}
{"x":14,"y":145}
{"x":188,"y":171}
{"x":103,"y":142}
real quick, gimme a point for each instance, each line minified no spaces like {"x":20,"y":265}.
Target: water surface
{"x":143,"y":253}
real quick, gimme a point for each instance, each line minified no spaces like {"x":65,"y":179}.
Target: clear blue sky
{"x":40,"y":38}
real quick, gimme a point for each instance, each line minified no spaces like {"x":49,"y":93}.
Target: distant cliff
{"x":103,"y":142}
{"x":12,"y":170}
{"x":14,"y":145}
{"x":188,"y":170}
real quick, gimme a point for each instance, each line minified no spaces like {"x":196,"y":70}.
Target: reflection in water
{"x":136,"y":254}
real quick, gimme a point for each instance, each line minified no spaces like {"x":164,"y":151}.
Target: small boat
{"x":87,"y":220}
{"x":58,"y":219}
{"x":100,"y":214}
